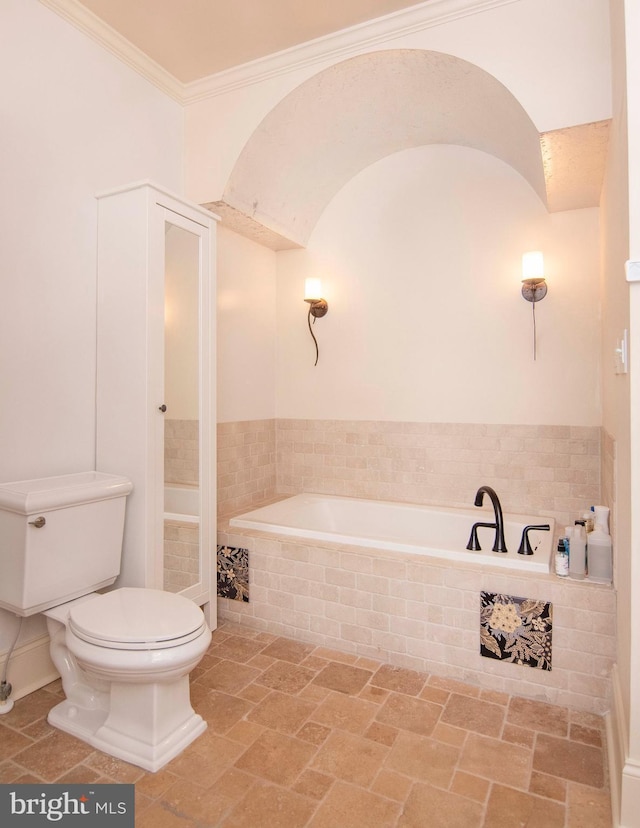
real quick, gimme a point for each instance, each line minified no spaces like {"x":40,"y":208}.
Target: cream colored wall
{"x":631,"y":777}
{"x":246,"y":329}
{"x":75,"y":121}
{"x":614,"y":292}
{"x":420,"y":257}
{"x":553,"y":55}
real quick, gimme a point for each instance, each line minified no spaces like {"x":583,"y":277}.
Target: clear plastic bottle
{"x":599,"y":548}
{"x":578,"y":551}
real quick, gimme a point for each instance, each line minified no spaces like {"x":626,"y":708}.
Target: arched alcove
{"x":359,"y":111}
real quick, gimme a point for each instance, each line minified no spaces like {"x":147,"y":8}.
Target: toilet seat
{"x":133,"y":618}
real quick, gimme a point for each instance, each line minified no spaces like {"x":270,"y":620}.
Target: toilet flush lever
{"x":39,"y":522}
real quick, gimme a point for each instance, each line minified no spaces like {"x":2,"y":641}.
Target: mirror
{"x":182,"y":559}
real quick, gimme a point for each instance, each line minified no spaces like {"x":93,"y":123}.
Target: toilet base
{"x":103,"y":731}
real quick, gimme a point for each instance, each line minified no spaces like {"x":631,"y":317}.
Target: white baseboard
{"x":30,"y":667}
{"x":624,"y":771}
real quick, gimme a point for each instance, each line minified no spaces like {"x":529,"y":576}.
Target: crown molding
{"x":94,"y":27}
{"x":336,"y":46}
{"x":339,"y":45}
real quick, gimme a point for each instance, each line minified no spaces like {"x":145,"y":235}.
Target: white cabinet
{"x":156,"y":345}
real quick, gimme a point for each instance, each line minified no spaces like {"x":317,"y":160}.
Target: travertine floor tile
{"x":574,"y":761}
{"x":270,"y":806}
{"x":423,"y":759}
{"x":276,"y":757}
{"x":348,"y":806}
{"x":305,"y":736}
{"x":473,"y":714}
{"x":508,"y":807}
{"x":288,"y":678}
{"x":588,"y":808}
{"x":536,"y":715}
{"x":409,"y":713}
{"x":280,"y":711}
{"x":287,"y":650}
{"x":350,"y":758}
{"x":342,"y":677}
{"x":345,"y":713}
{"x":442,"y":809}
{"x":496,"y":760}
{"x":399,"y":679}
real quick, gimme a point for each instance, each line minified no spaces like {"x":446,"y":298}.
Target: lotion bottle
{"x":599,"y":548}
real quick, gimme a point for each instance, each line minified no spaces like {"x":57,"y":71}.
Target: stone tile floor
{"x":303,"y":736}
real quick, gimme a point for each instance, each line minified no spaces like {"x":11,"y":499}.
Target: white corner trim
{"x":99,"y":31}
{"x":338,"y":45}
{"x":617,"y":743}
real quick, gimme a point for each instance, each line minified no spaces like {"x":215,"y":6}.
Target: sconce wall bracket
{"x":317,"y":307}
{"x":534,"y":290}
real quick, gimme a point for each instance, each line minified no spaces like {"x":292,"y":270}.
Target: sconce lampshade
{"x":312,"y":290}
{"x":533,"y":265}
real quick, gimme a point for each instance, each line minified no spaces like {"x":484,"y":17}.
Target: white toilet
{"x":124,"y":656}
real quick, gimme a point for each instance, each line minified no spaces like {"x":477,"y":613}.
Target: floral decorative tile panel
{"x":233,"y":573}
{"x":516,"y":629}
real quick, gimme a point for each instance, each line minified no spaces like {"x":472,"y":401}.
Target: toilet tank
{"x":60,"y":537}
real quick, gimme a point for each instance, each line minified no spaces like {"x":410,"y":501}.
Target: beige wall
{"x":76,"y":121}
{"x":420,"y":256}
{"x":246,"y":329}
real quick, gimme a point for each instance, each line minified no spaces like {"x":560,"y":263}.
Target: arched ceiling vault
{"x":365,"y":108}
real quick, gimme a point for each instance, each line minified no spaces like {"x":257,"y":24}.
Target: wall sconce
{"x":534,"y":287}
{"x":317,"y":306}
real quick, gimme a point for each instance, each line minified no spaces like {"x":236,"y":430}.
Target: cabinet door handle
{"x":162,"y":408}
{"x":39,"y":522}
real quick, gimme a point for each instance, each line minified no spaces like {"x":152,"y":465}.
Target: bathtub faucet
{"x":499,"y":544}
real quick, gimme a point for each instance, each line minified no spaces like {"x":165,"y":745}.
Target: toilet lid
{"x":133,"y":618}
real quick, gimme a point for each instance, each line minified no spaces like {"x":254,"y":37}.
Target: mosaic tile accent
{"x":516,"y":629}
{"x":233,"y":573}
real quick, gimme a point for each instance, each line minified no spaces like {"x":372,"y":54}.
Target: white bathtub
{"x":182,"y":503}
{"x":432,"y":531}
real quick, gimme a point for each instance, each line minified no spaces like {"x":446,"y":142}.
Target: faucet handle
{"x":525,"y":544}
{"x":474,"y":543}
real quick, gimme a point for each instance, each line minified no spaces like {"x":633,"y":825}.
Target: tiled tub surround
{"x":547,"y":470}
{"x":246,"y":464}
{"x":423,"y":614}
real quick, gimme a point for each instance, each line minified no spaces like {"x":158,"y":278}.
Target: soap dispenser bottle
{"x":599,"y":548}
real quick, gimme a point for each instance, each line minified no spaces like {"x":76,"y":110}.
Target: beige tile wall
{"x":181,"y":454}
{"x":424,"y":614}
{"x":246,"y":464}
{"x":547,"y":470}
{"x":181,"y":555}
